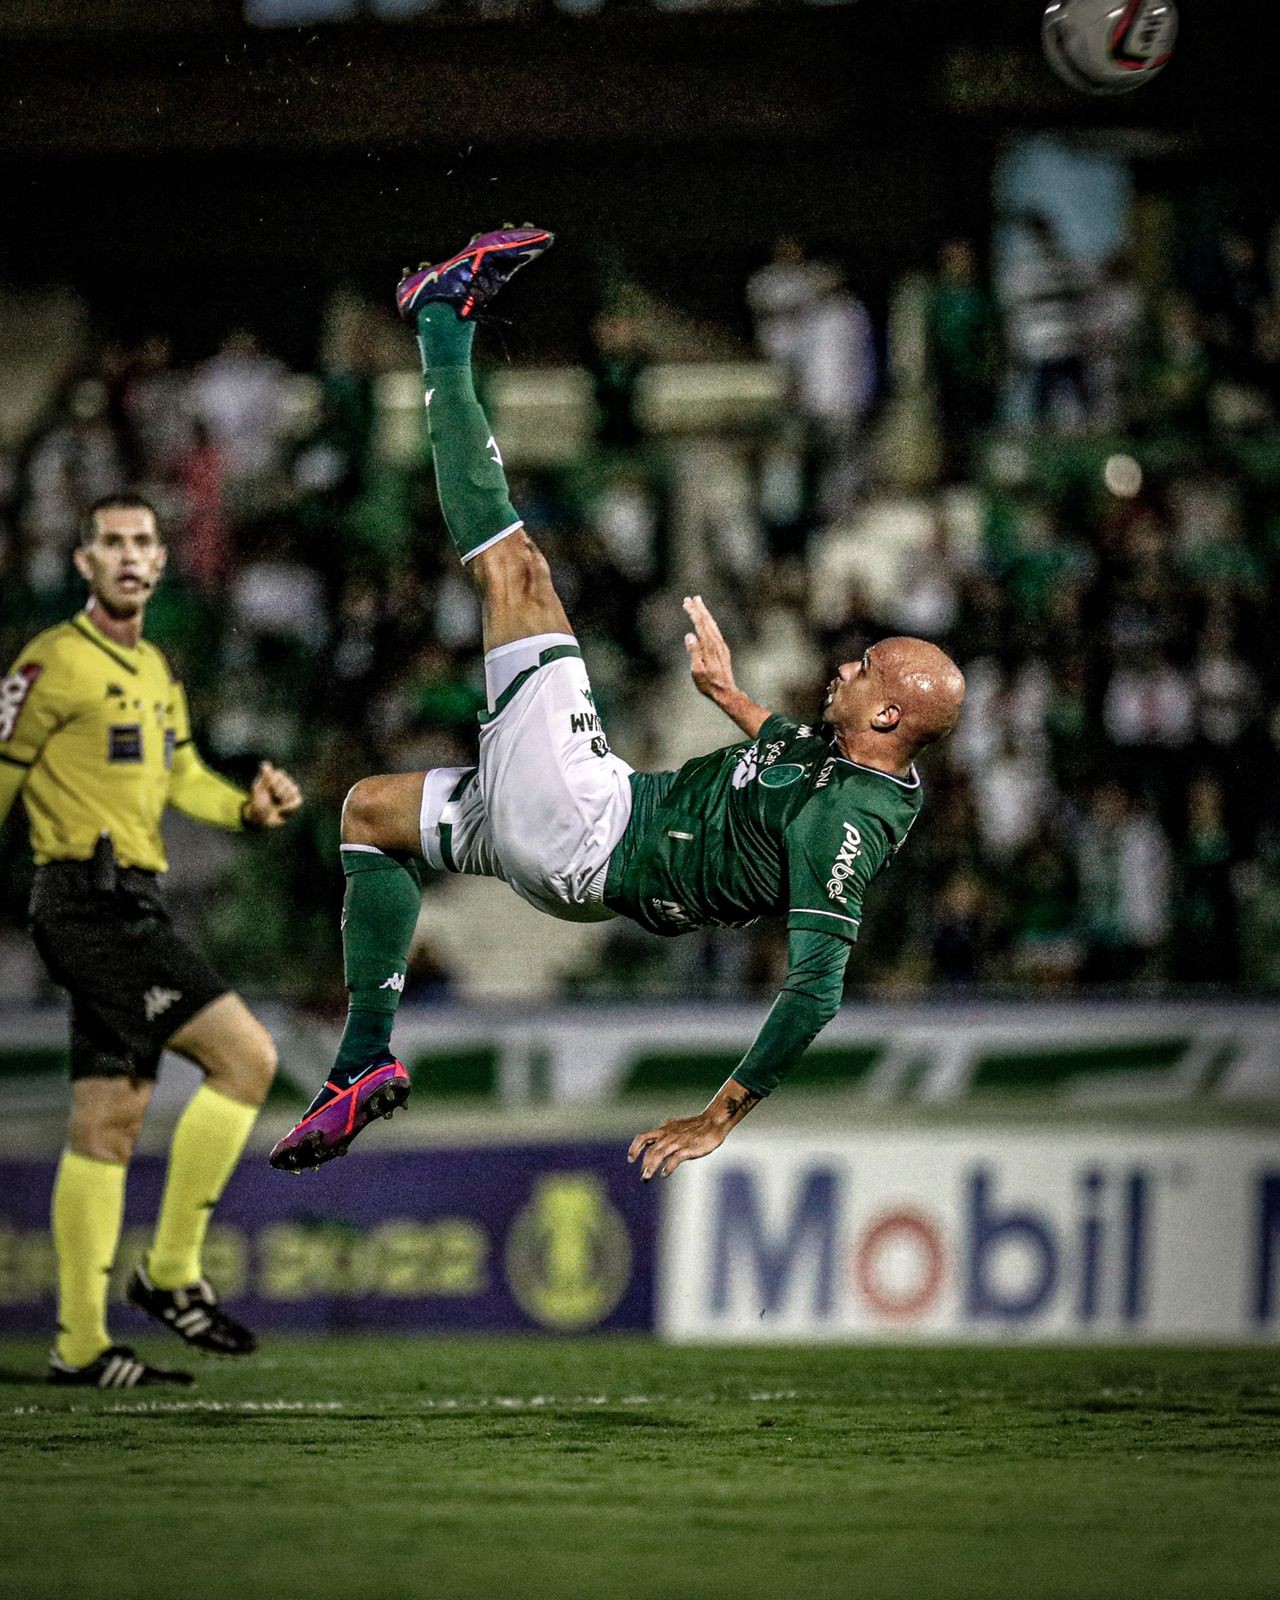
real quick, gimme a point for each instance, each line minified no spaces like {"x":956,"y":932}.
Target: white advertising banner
{"x":976,"y":1235}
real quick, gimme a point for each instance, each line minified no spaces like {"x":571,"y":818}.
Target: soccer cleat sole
{"x":312,"y":1151}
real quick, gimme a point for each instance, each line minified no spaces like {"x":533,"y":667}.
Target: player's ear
{"x":887,"y":718}
{"x":162,"y":559}
{"x":82,"y":564}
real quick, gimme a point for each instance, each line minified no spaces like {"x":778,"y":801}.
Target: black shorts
{"x":133,"y":982}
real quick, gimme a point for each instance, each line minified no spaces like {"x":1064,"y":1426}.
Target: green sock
{"x":379,"y":914}
{"x":469,"y":476}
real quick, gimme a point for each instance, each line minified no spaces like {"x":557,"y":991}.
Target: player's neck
{"x":870,"y":750}
{"x":120,"y":630}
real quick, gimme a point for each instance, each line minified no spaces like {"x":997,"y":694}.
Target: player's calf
{"x":381,"y":841}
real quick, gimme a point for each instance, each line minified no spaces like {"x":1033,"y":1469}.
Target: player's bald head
{"x":902,"y":695}
{"x":930,"y":687}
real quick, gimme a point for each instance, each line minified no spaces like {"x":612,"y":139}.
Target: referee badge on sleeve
{"x":13,"y":696}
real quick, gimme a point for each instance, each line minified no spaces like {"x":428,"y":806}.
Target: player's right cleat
{"x":116,"y":1368}
{"x":474,"y":275}
{"x":339,"y":1112}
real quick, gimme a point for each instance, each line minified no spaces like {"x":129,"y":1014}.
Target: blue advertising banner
{"x":553,"y":1237}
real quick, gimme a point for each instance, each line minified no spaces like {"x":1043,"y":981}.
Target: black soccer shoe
{"x":193,"y":1313}
{"x":116,"y":1368}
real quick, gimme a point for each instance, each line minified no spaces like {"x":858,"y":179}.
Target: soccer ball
{"x":1108,"y":46}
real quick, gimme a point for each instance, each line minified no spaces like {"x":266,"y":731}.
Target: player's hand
{"x":678,"y":1139}
{"x":273,"y":798}
{"x":709,"y":659}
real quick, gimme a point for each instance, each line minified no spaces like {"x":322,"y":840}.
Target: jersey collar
{"x":903,"y":783}
{"x":83,"y":624}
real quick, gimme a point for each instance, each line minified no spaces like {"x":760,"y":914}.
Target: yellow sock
{"x":207,"y":1143}
{"x":88,"y":1210}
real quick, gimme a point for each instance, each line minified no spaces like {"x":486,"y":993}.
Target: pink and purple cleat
{"x":339,"y":1112}
{"x":474,"y":275}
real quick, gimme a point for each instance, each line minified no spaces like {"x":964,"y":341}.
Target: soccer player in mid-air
{"x":792,"y":821}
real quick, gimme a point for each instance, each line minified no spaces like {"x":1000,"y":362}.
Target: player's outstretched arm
{"x":712,"y":668}
{"x":663,"y":1148}
{"x":808,"y":1001}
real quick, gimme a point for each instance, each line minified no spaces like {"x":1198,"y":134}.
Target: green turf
{"x":391,"y":1469}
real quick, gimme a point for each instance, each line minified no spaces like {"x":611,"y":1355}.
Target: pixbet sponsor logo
{"x":986,"y":1259}
{"x":842,"y":866}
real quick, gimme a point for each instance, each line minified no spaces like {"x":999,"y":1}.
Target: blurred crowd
{"x":1066,"y":473}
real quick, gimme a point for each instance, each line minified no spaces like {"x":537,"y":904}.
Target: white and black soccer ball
{"x":1108,"y":46}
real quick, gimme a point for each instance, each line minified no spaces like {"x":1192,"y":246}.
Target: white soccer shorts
{"x":549,"y":802}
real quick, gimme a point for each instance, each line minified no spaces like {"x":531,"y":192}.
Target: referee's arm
{"x":202,"y":793}
{"x":12,"y":777}
{"x":31,"y":706}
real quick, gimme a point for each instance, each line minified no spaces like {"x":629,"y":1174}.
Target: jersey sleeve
{"x":34,"y":701}
{"x":809,"y":999}
{"x":832,"y":855}
{"x":776,"y":726}
{"x":193,"y":787}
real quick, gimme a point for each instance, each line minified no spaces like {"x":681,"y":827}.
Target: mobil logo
{"x":943,"y":1245}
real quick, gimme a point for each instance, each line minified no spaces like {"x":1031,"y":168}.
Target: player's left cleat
{"x":193,"y":1313}
{"x":474,"y":275}
{"x":339,"y":1112}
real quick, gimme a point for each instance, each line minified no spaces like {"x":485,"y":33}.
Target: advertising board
{"x":976,"y":1235}
{"x":554,"y":1237}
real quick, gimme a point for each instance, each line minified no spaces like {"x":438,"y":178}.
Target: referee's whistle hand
{"x":273,"y":797}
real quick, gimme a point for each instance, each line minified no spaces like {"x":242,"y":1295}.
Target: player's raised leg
{"x":390,"y":822}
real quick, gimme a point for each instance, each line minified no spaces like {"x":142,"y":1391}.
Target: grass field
{"x":527,"y":1468}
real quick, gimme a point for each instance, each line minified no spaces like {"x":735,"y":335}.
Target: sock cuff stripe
{"x":368,"y":849}
{"x":488,"y":544}
{"x":74,"y":1157}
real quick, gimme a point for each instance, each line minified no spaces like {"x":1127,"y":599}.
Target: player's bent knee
{"x":382,"y":812}
{"x":106,"y":1130}
{"x":243,"y":1068}
{"x":364,"y":811}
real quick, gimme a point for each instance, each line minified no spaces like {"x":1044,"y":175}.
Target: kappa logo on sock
{"x":157,"y":1001}
{"x":395,"y":981}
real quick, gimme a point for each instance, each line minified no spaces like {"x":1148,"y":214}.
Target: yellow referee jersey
{"x":96,"y":737}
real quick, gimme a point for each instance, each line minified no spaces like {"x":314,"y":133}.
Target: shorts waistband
{"x":60,"y":881}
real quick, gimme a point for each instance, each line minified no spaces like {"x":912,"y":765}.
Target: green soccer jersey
{"x":781,"y":825}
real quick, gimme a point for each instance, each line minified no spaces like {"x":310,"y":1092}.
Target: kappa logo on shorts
{"x":13,"y":696}
{"x":157,"y":1001}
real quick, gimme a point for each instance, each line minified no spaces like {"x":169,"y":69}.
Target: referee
{"x":94,"y":734}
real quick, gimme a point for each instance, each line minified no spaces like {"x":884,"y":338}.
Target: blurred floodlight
{"x":1123,"y":476}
